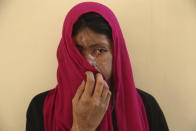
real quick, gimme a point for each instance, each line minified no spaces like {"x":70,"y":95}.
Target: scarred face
{"x":97,"y":50}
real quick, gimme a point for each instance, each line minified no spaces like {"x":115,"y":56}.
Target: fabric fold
{"x":129,"y":108}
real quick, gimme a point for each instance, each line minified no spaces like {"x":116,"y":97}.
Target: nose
{"x":89,"y":58}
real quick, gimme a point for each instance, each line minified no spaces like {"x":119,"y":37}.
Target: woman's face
{"x":97,"y":50}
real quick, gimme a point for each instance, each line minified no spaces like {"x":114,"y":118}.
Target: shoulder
{"x":34,"y":114}
{"x":154,"y":112}
{"x":144,"y":94}
{"x":147,"y":98}
{"x":38,"y":100}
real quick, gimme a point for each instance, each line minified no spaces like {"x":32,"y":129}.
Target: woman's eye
{"x":100,"y":50}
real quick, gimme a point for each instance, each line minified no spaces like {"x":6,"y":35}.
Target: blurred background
{"x":160,"y":36}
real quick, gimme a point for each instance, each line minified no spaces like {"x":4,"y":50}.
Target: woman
{"x":95,"y":89}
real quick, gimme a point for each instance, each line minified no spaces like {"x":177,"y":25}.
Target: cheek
{"x":104,"y":64}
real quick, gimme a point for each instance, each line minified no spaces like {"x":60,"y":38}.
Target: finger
{"x":79,"y":91}
{"x":105,"y":91}
{"x":89,"y":86}
{"x":108,"y":99}
{"x":99,"y":85}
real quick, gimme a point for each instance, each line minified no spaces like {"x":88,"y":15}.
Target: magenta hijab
{"x":129,"y":108}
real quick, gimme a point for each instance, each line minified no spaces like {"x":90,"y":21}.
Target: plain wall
{"x":160,"y":37}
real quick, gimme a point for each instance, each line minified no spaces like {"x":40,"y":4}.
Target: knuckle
{"x":78,"y":90}
{"x":99,"y":76}
{"x":84,"y":102}
{"x":96,"y":104}
{"x":99,"y":82}
{"x":106,"y":85}
{"x":73,"y":102}
{"x":91,"y":80}
{"x":102,"y":106}
{"x":109,"y":92}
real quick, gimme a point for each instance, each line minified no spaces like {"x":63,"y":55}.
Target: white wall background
{"x":160,"y":36}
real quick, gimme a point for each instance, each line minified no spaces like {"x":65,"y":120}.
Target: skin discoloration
{"x":97,"y":50}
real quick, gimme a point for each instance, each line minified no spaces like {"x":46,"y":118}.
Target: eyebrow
{"x":94,"y":45}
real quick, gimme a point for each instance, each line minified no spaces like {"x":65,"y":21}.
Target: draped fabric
{"x":129,"y":108}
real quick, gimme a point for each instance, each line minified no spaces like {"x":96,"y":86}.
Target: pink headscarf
{"x":129,"y":109}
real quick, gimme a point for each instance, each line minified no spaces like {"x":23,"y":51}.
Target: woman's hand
{"x":90,"y":103}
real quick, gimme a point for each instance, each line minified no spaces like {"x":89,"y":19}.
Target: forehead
{"x":87,"y":37}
